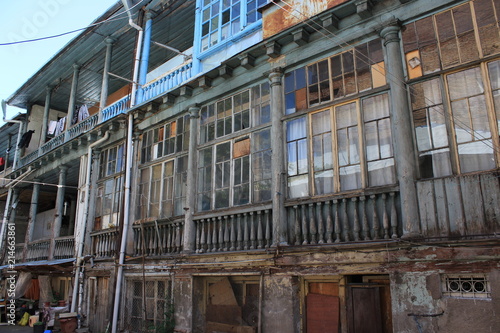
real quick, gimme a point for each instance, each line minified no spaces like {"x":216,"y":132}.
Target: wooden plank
{"x":455,"y":206}
{"x":221,"y":293}
{"x":365,"y":312}
{"x":490,"y":188}
{"x":426,"y":205}
{"x":473,"y":204}
{"x":441,"y":208}
{"x":226,"y":314}
{"x":324,"y":288}
{"x":322,"y":313}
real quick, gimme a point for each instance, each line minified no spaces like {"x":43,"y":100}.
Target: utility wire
{"x":367,"y":60}
{"x":109,"y":19}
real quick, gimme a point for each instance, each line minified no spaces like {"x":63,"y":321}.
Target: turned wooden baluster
{"x":233,"y":233}
{"x":337,"y":221}
{"x":312,"y":224}
{"x":253,"y":236}
{"x":203,"y":236}
{"x":297,"y":225}
{"x":305,"y":233}
{"x":329,"y":223}
{"x":356,"y":227}
{"x":385,"y":218}
{"x":321,"y":227}
{"x":394,"y":216}
{"x":376,"y":222}
{"x":346,"y":222}
{"x":268,"y":228}
{"x":246,"y":241}
{"x":260,"y":235}
{"x":364,"y":219}
{"x":240,"y":233}
{"x":221,"y":234}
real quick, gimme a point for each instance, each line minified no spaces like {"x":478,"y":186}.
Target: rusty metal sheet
{"x":284,"y":15}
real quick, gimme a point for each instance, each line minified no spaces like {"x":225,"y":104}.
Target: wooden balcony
{"x":158,"y":237}
{"x":38,"y":250}
{"x":104,"y":243}
{"x":64,"y":247}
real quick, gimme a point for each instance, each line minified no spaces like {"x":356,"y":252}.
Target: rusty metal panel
{"x":284,"y":15}
{"x":473,"y":204}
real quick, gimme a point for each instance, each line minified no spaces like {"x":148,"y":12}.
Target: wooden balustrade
{"x":158,"y":238}
{"x":104,"y":243}
{"x":234,"y":232}
{"x":345,"y":219}
{"x":38,"y":250}
{"x":64,"y":247}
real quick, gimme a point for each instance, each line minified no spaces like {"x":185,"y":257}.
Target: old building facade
{"x":254,"y":166}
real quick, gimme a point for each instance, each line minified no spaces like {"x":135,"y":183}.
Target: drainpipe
{"x":19,"y":134}
{"x":81,"y":226}
{"x":5,"y":220}
{"x":126,"y":222}
{"x":137,"y":51}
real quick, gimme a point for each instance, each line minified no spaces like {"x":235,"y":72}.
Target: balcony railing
{"x":82,"y":127}
{"x":165,"y":83}
{"x":104,"y":243}
{"x":158,"y":238}
{"x":344,"y":219}
{"x":38,"y":250}
{"x":234,"y":232}
{"x":64,"y":247}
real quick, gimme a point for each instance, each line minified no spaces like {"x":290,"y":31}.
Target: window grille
{"x":466,"y":286}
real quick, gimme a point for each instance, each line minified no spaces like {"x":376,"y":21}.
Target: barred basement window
{"x":467,"y":286}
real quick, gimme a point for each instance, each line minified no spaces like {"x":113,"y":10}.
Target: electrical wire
{"x":109,"y":19}
{"x":368,"y":60}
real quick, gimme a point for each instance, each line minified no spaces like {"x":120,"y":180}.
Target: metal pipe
{"x":126,"y":222}
{"x":20,"y":122}
{"x":80,"y":232}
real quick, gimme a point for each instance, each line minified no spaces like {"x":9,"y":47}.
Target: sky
{"x":31,"y":19}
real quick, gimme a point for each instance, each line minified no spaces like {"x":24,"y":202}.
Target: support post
{"x":105,"y":75}
{"x":278,"y":165}
{"x":404,"y":146}
{"x":46,"y":111}
{"x":72,"y":97}
{"x":189,"y":227}
{"x":56,"y":229}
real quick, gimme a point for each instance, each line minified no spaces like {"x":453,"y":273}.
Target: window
{"x":224,"y":177}
{"x":109,"y":187}
{"x":147,"y":304}
{"x":222,"y":19}
{"x":156,"y":195}
{"x":466,"y":286}
{"x":359,"y":69}
{"x":451,"y":37}
{"x":173,"y":137}
{"x":350,"y":146}
{"x":471,"y":121}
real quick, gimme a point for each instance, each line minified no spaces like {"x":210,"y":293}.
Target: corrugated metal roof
{"x":174,"y":26}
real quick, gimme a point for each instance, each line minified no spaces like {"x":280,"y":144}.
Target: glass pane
{"x":350,"y":178}
{"x":298,"y":186}
{"x":296,"y":129}
{"x":323,"y":182}
{"x":461,"y":118}
{"x":371,"y":141}
{"x":353,"y":145}
{"x":346,"y":115}
{"x":476,"y":156}
{"x":376,"y":107}
{"x":438,"y":127}
{"x":381,"y":172}
{"x":465,"y":83}
{"x":435,"y":163}
{"x":302,"y":156}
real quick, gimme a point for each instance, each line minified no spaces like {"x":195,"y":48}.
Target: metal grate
{"x":147,"y":305}
{"x":467,"y":286}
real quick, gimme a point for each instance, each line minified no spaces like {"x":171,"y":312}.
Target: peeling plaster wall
{"x":280,"y":308}
{"x":420,"y":293}
{"x":183,"y":302}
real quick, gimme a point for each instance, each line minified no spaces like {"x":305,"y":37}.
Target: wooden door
{"x":98,"y":303}
{"x":364,"y":311}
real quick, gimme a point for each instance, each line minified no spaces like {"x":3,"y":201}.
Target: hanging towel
{"x":60,"y":126}
{"x":83,"y":113}
{"x":52,"y":127}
